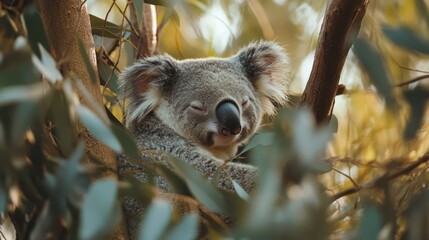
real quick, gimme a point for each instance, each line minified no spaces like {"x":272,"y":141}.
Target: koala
{"x":201,"y":110}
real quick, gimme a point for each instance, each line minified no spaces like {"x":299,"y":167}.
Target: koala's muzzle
{"x":228,"y":116}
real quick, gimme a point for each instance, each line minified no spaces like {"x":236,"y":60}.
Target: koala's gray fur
{"x":172,"y":108}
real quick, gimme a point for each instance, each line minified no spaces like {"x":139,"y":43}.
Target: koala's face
{"x":215,"y":103}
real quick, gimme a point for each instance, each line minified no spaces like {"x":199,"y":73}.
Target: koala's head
{"x":217,"y":103}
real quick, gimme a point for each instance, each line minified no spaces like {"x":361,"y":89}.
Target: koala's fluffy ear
{"x":142,"y":82}
{"x":266,"y":65}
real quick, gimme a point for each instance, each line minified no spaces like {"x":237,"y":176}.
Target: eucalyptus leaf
{"x":108,"y":76}
{"x":310,"y":143}
{"x":156,"y":220}
{"x":187,"y":228}
{"x":240,"y":191}
{"x":407,"y":38}
{"x":370,"y":223}
{"x":100,"y":27}
{"x":260,"y":139}
{"x":203,"y":191}
{"x":139,"y":10}
{"x":87,"y":61}
{"x":373,"y":63}
{"x":47,"y":66}
{"x":422,"y":9}
{"x":35,"y":30}
{"x":127,"y":142}
{"x":98,"y":128}
{"x":101,"y":211}
{"x":3,"y":198}
{"x":417,"y":99}
{"x":31,"y":92}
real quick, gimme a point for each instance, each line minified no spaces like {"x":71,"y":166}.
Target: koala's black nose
{"x":228,"y":117}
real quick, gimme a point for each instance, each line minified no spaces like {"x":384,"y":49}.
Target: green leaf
{"x":35,"y":29}
{"x":31,"y":92}
{"x":48,"y":66}
{"x":203,"y":191}
{"x":310,"y":143}
{"x":156,"y":220}
{"x":417,"y":99}
{"x":98,"y":128}
{"x":87,"y":61}
{"x":406,"y":38}
{"x":260,"y":139}
{"x":3,"y":199}
{"x":104,"y":28}
{"x":165,"y":3}
{"x":373,"y":63}
{"x":108,"y":76}
{"x":422,"y":9}
{"x":101,"y":211}
{"x":139,"y":9}
{"x":240,"y":191}
{"x":126,"y":140}
{"x":23,"y":116}
{"x":370,"y":223}
{"x":187,"y":228}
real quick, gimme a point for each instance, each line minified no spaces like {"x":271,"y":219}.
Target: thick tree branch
{"x":342,"y":21}
{"x":65,"y":22}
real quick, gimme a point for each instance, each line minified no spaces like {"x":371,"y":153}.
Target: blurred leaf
{"x":47,"y":66}
{"x":98,"y":128}
{"x":101,"y":211}
{"x":17,"y":68}
{"x":333,"y":124}
{"x":35,"y":30}
{"x":108,"y":76}
{"x":139,"y":9}
{"x":3,"y":198}
{"x":203,"y":191}
{"x":407,"y":38}
{"x":370,"y":223}
{"x":90,"y":100}
{"x":87,"y":61}
{"x":23,"y":116}
{"x":422,"y":9}
{"x":373,"y":63}
{"x":417,"y":99}
{"x":260,"y":139}
{"x":240,"y":191}
{"x":165,"y":3}
{"x":31,"y":92}
{"x":187,"y":228}
{"x":126,"y":140}
{"x":104,"y":28}
{"x":65,"y":179}
{"x":156,"y":220}
{"x":417,"y":217}
{"x":64,"y":130}
{"x":309,"y":142}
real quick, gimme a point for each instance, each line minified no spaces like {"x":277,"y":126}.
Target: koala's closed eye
{"x":198,"y":107}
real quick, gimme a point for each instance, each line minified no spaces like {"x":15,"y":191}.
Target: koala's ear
{"x":141,"y":85}
{"x":266,"y":65}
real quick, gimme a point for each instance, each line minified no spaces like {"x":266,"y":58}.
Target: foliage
{"x":364,"y":176}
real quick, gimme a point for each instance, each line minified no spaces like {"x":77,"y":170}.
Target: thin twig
{"x":386,"y":177}
{"x":412,"y":80}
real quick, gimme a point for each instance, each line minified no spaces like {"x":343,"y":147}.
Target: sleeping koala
{"x":201,"y":110}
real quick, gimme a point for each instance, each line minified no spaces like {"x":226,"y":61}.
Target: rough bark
{"x":145,"y":40}
{"x":342,"y":21}
{"x":64,"y":21}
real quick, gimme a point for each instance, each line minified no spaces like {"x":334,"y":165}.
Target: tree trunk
{"x":65,"y":21}
{"x":341,"y":23}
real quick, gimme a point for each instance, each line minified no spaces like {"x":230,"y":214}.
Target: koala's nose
{"x":228,"y":117}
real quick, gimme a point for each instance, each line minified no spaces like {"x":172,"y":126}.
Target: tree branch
{"x":382,"y":179}
{"x":342,"y":21}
